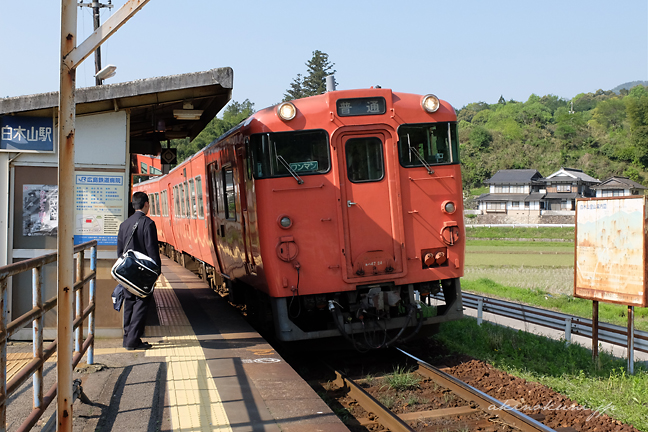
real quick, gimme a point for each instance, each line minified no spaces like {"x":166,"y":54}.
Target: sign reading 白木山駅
{"x":26,"y":134}
{"x":610,"y":256}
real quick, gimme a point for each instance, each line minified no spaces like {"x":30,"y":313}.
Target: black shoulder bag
{"x":135,"y":271}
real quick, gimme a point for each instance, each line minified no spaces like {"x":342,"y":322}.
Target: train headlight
{"x":430,"y":103}
{"x":286,"y":111}
{"x":285,"y":222}
{"x":448,"y":207}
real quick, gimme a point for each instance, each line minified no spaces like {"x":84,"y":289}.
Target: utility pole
{"x":71,"y":56}
{"x":96,"y":6}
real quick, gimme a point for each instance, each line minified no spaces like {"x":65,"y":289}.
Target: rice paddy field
{"x":547,"y":266}
{"x":519,"y":264}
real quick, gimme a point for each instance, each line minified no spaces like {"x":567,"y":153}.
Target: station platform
{"x":208,"y":370}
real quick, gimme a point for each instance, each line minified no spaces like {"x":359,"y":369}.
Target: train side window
{"x":183,"y":202}
{"x":187,"y":200}
{"x":229,"y":195}
{"x":163,"y":204}
{"x":151,"y":204}
{"x":364,"y":159}
{"x":248,"y":160}
{"x":144,"y":168}
{"x":199,"y":195}
{"x":176,"y":202}
{"x":157,"y":204}
{"x":192,"y":198}
{"x":216,"y":189}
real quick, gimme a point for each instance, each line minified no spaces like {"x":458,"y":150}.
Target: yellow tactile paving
{"x":194,"y":401}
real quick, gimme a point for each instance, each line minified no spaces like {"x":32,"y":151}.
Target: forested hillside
{"x":603,"y":133}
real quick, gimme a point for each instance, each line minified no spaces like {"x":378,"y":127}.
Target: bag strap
{"x":132,"y":232}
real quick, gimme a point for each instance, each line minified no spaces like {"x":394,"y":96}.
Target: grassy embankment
{"x":537,"y":273}
{"x":602,"y":386}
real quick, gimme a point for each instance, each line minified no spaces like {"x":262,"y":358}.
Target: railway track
{"x":475,"y":411}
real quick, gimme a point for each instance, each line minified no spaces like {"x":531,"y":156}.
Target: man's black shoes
{"x":142,"y":346}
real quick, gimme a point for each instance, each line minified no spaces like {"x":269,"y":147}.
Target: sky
{"x":463,"y":51}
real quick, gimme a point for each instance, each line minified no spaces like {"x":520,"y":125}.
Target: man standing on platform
{"x":145,"y":241}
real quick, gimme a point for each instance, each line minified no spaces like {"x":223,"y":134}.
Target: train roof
{"x":266,"y":118}
{"x":321,"y":104}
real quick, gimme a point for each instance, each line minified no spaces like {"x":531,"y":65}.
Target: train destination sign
{"x":26,"y":134}
{"x":361,"y":106}
{"x":610,"y":261}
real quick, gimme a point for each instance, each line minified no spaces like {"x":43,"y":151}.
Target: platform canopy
{"x":163,"y":108}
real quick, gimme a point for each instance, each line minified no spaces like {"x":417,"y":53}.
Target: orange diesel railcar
{"x":337,"y":214}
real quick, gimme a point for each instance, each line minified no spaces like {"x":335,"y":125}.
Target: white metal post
{"x":91,"y":317}
{"x":568,"y":330}
{"x":480,"y":311}
{"x":37,"y":336}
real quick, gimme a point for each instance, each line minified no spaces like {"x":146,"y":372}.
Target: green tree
{"x":480,"y":138}
{"x":314,"y":82}
{"x":296,"y":90}
{"x":610,"y":113}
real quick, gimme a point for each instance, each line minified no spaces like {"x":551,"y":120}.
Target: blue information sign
{"x":32,"y":134}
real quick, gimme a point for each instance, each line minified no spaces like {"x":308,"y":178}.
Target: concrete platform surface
{"x":208,"y":370}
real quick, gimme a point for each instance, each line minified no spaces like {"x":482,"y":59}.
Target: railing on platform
{"x":35,"y":317}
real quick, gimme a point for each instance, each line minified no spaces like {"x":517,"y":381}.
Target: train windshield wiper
{"x":290,"y":170}
{"x":284,"y":163}
{"x":418,"y":156}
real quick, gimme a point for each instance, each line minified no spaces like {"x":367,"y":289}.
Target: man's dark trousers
{"x":135,"y":311}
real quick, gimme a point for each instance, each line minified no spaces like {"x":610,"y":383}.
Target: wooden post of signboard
{"x":631,"y":340}
{"x":595,"y":308}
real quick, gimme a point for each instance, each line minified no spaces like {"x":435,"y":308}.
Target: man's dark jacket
{"x":145,"y":239}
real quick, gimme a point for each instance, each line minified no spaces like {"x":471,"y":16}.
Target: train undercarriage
{"x":370,"y":317}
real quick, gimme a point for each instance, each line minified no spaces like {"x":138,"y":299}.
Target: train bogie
{"x":338,"y":214}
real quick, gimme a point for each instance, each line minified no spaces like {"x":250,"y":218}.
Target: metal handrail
{"x":571,"y":324}
{"x":36,"y":317}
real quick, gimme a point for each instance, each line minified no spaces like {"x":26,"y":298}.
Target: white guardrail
{"x":520,"y":225}
{"x":570,"y":324}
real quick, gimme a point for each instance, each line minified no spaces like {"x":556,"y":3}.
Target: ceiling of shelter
{"x":161,"y":109}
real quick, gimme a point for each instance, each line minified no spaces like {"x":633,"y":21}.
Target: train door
{"x":369,"y":206}
{"x":171,"y":219}
{"x":242,"y":164}
{"x":217,"y":213}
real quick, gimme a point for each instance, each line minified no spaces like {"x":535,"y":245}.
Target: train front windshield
{"x":285,"y":154}
{"x":428,"y":144}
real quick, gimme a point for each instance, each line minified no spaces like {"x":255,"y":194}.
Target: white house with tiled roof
{"x":514,"y":191}
{"x":564,"y":186}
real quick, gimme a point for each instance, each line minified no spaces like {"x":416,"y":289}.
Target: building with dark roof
{"x":514,"y":191}
{"x":618,"y":186}
{"x":524,"y":192}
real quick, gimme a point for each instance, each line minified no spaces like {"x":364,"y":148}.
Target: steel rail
{"x":384,"y":416}
{"x":483,"y":400}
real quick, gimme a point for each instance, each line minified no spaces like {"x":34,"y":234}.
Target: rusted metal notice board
{"x":610,"y":256}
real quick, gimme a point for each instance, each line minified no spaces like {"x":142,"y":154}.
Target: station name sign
{"x":26,"y":134}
